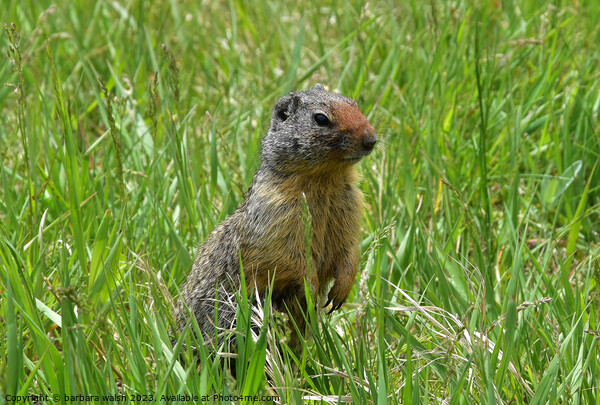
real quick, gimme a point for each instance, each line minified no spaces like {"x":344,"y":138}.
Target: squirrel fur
{"x":308,"y":158}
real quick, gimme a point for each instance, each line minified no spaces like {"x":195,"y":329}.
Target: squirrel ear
{"x":319,"y":87}
{"x":286,"y":106}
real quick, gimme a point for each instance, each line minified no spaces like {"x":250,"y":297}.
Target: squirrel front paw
{"x":340,"y":291}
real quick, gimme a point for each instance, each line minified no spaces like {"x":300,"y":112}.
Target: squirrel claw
{"x":334,"y":307}
{"x":327,"y":303}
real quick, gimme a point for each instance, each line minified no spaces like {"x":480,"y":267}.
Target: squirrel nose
{"x":368,"y":141}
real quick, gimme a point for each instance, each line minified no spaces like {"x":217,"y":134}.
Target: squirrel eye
{"x":321,"y":120}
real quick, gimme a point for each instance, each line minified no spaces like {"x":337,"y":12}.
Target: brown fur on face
{"x":350,"y":120}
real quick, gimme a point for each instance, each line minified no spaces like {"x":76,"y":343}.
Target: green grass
{"x":130,"y":129}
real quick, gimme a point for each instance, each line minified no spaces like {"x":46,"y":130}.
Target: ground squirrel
{"x":307,"y":159}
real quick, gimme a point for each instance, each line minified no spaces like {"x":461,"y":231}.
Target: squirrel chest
{"x":278,"y":230}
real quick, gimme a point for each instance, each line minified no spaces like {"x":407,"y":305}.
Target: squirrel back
{"x":307,"y":159}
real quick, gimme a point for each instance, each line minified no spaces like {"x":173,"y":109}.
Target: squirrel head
{"x":315,"y":130}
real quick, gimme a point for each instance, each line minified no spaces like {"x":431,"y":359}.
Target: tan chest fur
{"x":278,"y":250}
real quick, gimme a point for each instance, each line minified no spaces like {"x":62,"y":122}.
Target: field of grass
{"x":129,"y":129}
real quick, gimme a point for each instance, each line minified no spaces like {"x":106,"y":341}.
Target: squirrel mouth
{"x":353,"y":159}
{"x":357,"y":156}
